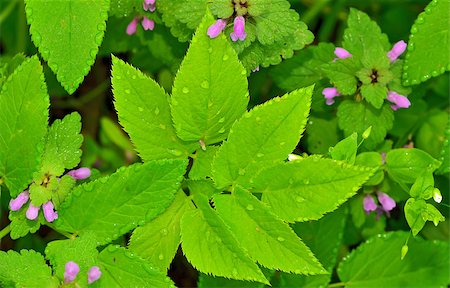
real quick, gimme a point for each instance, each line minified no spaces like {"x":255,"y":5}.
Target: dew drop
{"x":243,"y":72}
{"x":161,"y":256}
{"x":140,"y":109}
{"x":185,"y":90}
{"x":222,"y":130}
{"x":205,"y":84}
{"x":164,"y":232}
{"x":127,"y":91}
{"x":259,"y":155}
{"x":101,"y":26}
{"x":99,"y":38}
{"x":250,"y":207}
{"x":37,"y":38}
{"x":225,"y":57}
{"x":241,"y":172}
{"x":175,"y":152}
{"x":281,"y":239}
{"x":156,"y":111}
{"x":299,"y":199}
{"x":221,"y":120}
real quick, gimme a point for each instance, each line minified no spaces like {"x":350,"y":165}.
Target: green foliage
{"x":68,"y":35}
{"x":21,"y":226}
{"x":418,"y":212}
{"x":342,"y":75}
{"x":201,"y":168}
{"x":377,"y":263}
{"x":445,"y":153}
{"x":346,"y":149}
{"x":371,"y":159}
{"x":23,"y":124}
{"x":428,"y":44}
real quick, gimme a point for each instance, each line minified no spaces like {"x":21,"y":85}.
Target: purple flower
{"x":215,"y":29}
{"x":386,"y":202}
{"x":399,"y":101}
{"x":32,"y":212}
{"x":147,"y":24}
{"x":369,"y":204}
{"x":238,"y":29}
{"x":49,"y":214}
{"x":131,"y":28}
{"x":341,"y":53}
{"x":149,"y":5}
{"x":397,"y":50}
{"x":94,"y":274}
{"x":71,"y":271}
{"x":80,"y":173}
{"x":329,"y":94}
{"x":19,"y":201}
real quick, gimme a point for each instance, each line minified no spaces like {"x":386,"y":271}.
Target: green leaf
{"x":27,"y":269}
{"x":342,"y":75}
{"x":177,"y":28}
{"x":431,"y":135}
{"x":346,"y":149}
{"x":79,"y":250}
{"x":372,"y":159}
{"x":121,"y":268}
{"x":210,"y":90}
{"x":374,"y":94}
{"x":252,"y":222}
{"x":307,"y":189}
{"x":21,"y":226}
{"x":418,"y":212}
{"x":205,"y":187}
{"x":24,"y":104}
{"x":68,"y":35}
{"x":358,"y":116}
{"x":211,"y":248}
{"x":321,"y":134}
{"x":445,"y":153}
{"x":144,"y":112}
{"x":207,"y":281}
{"x":112,"y":206}
{"x":158,"y":240}
{"x":202,"y":166}
{"x":122,"y":8}
{"x":377,"y":263}
{"x":115,"y":134}
{"x":263,"y":136}
{"x":423,"y":186}
{"x":405,"y":165}
{"x":428,"y":43}
{"x":62,"y":148}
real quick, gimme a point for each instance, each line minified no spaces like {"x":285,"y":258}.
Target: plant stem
{"x":338,"y":284}
{"x":5,"y":13}
{"x":5,"y":231}
{"x":314,"y":11}
{"x":86,"y":98}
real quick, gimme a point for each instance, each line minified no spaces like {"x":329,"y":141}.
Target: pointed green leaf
{"x":429,"y":44}
{"x":374,"y":94}
{"x":346,"y":149}
{"x":21,"y":226}
{"x":342,"y":75}
{"x":144,"y":112}
{"x":121,"y":268}
{"x":68,"y":35}
{"x":377,"y":263}
{"x":306,"y":189}
{"x":211,"y":248}
{"x":372,"y":159}
{"x":112,"y":206}
{"x":202,"y":166}
{"x":263,"y":136}
{"x":418,"y":212}
{"x":23,"y":123}
{"x":268,"y":240}
{"x":158,"y":240}
{"x":27,"y":269}
{"x":201,"y":108}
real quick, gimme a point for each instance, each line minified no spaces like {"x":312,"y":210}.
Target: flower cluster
{"x":72,"y":269}
{"x":48,"y":208}
{"x":147,"y":24}
{"x":238,"y":28}
{"x":386,"y":203}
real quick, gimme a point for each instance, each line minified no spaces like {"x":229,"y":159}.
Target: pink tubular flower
{"x":341,"y":53}
{"x":238,"y":29}
{"x":386,"y":202}
{"x":399,"y":101}
{"x":131,"y":28}
{"x":397,"y":50}
{"x":217,"y":27}
{"x":49,"y":214}
{"x":329,"y":94}
{"x":94,"y":274}
{"x":71,"y":271}
{"x":369,"y":204}
{"x":149,"y":5}
{"x":80,"y":173}
{"x":19,"y":201}
{"x":147,"y":24}
{"x":32,"y":212}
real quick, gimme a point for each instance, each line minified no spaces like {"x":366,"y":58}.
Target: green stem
{"x":5,"y":13}
{"x":338,"y":284}
{"x":21,"y":29}
{"x":312,"y":12}
{"x":5,"y":231}
{"x":85,"y":99}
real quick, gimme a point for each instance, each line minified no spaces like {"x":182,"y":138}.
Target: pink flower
{"x":94,"y":274}
{"x":147,"y":24}
{"x":149,"y":5}
{"x":32,"y":212}
{"x":49,"y":214}
{"x":217,"y":27}
{"x":80,"y":173}
{"x":131,"y":28}
{"x":71,"y":271}
{"x":341,"y":53}
{"x":397,"y":50}
{"x":19,"y":201}
{"x":369,"y":204}
{"x":399,"y":101}
{"x":329,"y":94}
{"x":386,"y":202}
{"x":238,"y":29}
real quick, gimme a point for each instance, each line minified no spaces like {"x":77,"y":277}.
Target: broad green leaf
{"x":201,"y":168}
{"x":62,"y":147}
{"x":210,"y":90}
{"x":445,"y":153}
{"x":112,"y":206}
{"x":211,"y":248}
{"x":346,"y":149}
{"x":324,"y":237}
{"x":122,"y":8}
{"x":68,"y":35}
{"x":429,"y":44}
{"x":342,"y":75}
{"x":377,"y":263}
{"x":307,"y":189}
{"x":79,"y":250}
{"x":277,"y":247}
{"x":177,"y":28}
{"x":431,"y":137}
{"x":65,"y":185}
{"x":405,"y":165}
{"x":205,"y":187}
{"x":144,"y":112}
{"x":23,"y":124}
{"x":263,"y":136}
{"x":27,"y":269}
{"x":158,"y":240}
{"x":358,"y":116}
{"x":207,"y":281}
{"x":122,"y":268}
{"x":21,"y":226}
{"x":42,"y":192}
{"x":417,"y":212}
{"x":7,"y":66}
{"x":372,"y":159}
{"x":374,"y":94}
{"x":423,"y":186}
